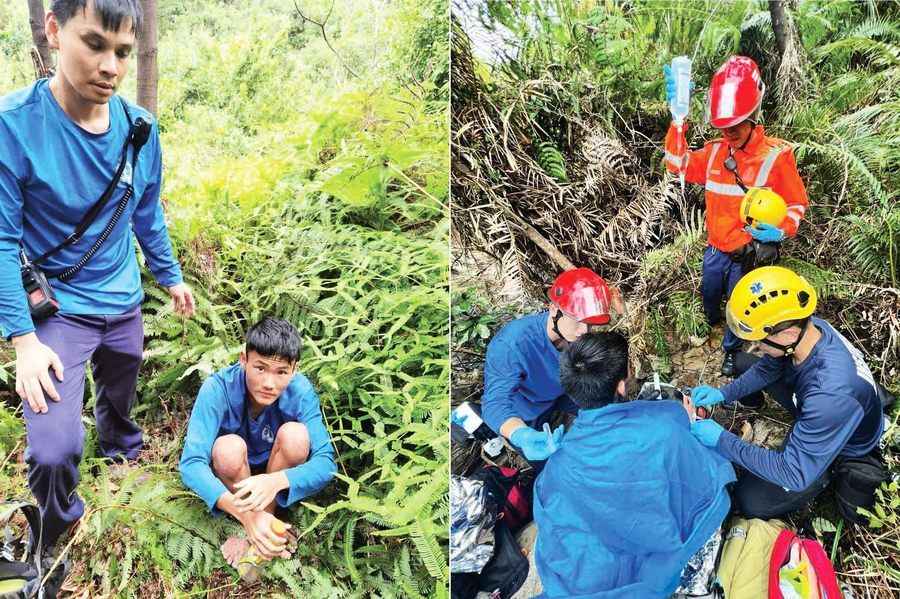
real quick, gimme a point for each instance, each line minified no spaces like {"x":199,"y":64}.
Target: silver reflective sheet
{"x":471,"y":525}
{"x":699,"y":573}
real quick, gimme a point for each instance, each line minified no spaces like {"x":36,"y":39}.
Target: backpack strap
{"x":31,"y":565}
{"x":822,"y":566}
{"x":780,"y":551}
{"x":138,"y":134}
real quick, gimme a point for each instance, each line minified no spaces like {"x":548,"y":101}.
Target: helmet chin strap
{"x":556,"y":330}
{"x":749,"y":135}
{"x":791,"y":348}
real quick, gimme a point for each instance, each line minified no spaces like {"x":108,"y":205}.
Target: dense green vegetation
{"x":561,"y":127}
{"x":305,"y":179}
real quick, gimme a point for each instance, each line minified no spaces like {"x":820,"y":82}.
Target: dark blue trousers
{"x":756,"y":497}
{"x":114,"y":345}
{"x":720,"y":275}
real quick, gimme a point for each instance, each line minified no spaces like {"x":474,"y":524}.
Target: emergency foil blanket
{"x":698,"y":574}
{"x":473,"y":512}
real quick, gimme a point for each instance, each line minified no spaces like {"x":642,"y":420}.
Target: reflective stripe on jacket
{"x":764,"y":162}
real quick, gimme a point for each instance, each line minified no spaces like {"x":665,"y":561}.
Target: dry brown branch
{"x":321,"y":25}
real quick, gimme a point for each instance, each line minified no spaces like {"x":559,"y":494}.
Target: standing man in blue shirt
{"x":521,"y":370}
{"x":816,"y":375}
{"x":256,"y":437}
{"x":61,"y":141}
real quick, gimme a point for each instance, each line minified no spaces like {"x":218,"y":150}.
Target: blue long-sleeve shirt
{"x":222,"y":408}
{"x":51,"y":172}
{"x":521,"y":372}
{"x":837,"y":412}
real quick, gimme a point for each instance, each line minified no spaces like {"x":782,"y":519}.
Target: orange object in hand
{"x":248,"y":568}
{"x":278,"y":527}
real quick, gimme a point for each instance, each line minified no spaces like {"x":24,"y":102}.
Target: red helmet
{"x":735,"y":92}
{"x":582,"y":295}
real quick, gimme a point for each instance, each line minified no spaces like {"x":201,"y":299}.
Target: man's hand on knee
{"x":257,"y":492}
{"x":33,"y":363}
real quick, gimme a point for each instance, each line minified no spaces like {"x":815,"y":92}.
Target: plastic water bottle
{"x":681,"y":103}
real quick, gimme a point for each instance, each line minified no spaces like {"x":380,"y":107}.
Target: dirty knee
{"x":229,"y":456}
{"x":292,"y":440}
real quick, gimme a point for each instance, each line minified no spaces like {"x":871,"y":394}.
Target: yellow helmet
{"x":766,"y":297}
{"x":761,"y":205}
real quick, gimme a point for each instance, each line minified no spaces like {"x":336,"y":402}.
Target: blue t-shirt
{"x":521,"y":372}
{"x":836,"y":411}
{"x":51,"y":172}
{"x":222,"y":408}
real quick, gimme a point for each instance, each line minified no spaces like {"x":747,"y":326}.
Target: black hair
{"x":274,"y":338}
{"x":590,"y":369}
{"x":112,"y":12}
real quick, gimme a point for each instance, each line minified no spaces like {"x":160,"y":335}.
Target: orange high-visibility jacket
{"x":764,"y":162}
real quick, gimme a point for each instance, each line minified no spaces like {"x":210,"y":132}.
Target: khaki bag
{"x":744,"y":566}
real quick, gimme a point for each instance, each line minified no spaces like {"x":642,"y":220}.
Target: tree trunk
{"x":779,"y":25}
{"x":39,"y":36}
{"x":791,"y":80}
{"x":147,"y":69}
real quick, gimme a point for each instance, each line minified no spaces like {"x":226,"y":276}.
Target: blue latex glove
{"x":765,"y":233}
{"x":537,"y":445}
{"x":707,"y":432}
{"x":670,"y":83}
{"x":704,"y":395}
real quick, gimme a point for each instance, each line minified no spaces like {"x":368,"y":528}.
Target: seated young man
{"x":256,"y":438}
{"x":630,"y":495}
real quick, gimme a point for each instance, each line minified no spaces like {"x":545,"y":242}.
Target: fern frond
{"x":552,"y":161}
{"x":434,"y":559}
{"x":348,"y":549}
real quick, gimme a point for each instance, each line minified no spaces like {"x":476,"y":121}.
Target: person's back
{"x":630,"y":495}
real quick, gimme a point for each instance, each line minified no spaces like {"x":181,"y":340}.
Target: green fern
{"x":659,"y":340}
{"x":348,"y":550}
{"x":552,"y":161}
{"x":686,"y":312}
{"x":403,"y":575}
{"x":430,"y":552}
{"x":874,"y":244}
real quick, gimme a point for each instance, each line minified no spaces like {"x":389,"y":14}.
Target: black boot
{"x":57,"y":576}
{"x":728,"y":364}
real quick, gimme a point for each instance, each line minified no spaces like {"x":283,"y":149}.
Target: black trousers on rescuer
{"x":755,"y":497}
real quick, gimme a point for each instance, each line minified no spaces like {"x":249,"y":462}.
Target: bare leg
{"x":291,"y":449}
{"x":230,"y":465}
{"x":229,"y":460}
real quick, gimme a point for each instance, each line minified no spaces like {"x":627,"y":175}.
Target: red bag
{"x":822,"y":570}
{"x":513,"y":492}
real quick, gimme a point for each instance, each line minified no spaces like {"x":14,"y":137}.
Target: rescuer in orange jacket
{"x":742,"y":158}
